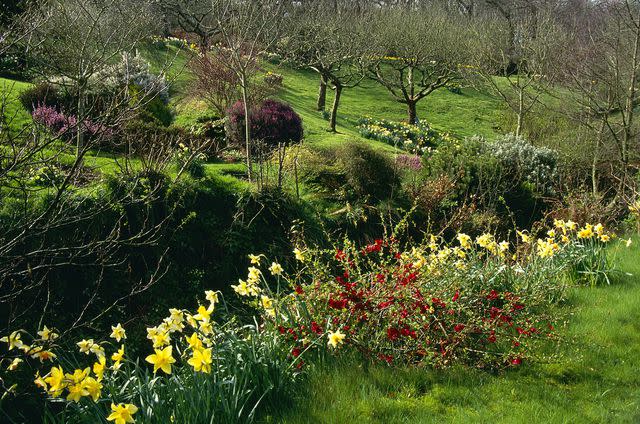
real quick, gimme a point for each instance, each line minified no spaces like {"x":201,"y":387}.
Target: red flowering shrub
{"x":476,"y":303}
{"x":272,"y":123}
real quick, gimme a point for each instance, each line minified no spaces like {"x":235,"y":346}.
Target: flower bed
{"x":417,"y":139}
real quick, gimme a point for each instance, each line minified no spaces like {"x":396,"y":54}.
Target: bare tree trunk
{"x":247,"y":127}
{"x":322,"y":94}
{"x":413,"y":115}
{"x":81,"y":119}
{"x":596,"y":157}
{"x":334,"y":109}
{"x":520,"y":112}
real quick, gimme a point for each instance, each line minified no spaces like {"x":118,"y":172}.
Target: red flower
{"x":458,"y":327}
{"x":393,"y":333}
{"x":456,"y":296}
{"x":296,"y":352}
{"x":316,"y":328}
{"x":493,"y":295}
{"x":299,"y":289}
{"x":516,"y":361}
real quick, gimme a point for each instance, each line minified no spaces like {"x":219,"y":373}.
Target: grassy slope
{"x":597,"y":379}
{"x":463,"y":114}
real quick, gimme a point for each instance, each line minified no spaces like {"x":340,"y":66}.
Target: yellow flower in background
{"x":299,"y":254}
{"x":97,"y":350}
{"x":485,"y":240}
{"x":242,"y":288}
{"x":211,"y":296}
{"x":39,"y":381}
{"x":255,"y":259}
{"x":254,"y":275}
{"x":201,"y":360}
{"x":335,"y":339}
{"x":47,"y":334}
{"x":598,"y":229}
{"x":161,"y":339}
{"x":85,"y":346}
{"x":629,"y":242}
{"x":122,"y":413}
{"x":98,"y":368}
{"x":586,"y":232}
{"x":275,"y":268}
{"x":206,"y":327}
{"x":14,"y":364}
{"x":464,"y":240}
{"x":503,"y":246}
{"x":605,"y":238}
{"x":524,"y":237}
{"x":13,"y":340}
{"x":161,"y":359}
{"x":118,"y":333}
{"x":551,"y":233}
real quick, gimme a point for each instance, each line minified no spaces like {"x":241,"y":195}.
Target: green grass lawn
{"x":462,"y":114}
{"x":596,"y":379}
{"x":15,"y":115}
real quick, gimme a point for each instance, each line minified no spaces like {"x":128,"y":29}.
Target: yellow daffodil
{"x":47,"y":334}
{"x":254,"y":275}
{"x":204,"y":314}
{"x":586,"y":232}
{"x":299,"y":254}
{"x":211,"y":296}
{"x":14,"y":364}
{"x":629,"y":242}
{"x":118,"y":333}
{"x":56,"y":381}
{"x":161,"y":339}
{"x":335,"y":339}
{"x":13,"y":340}
{"x":255,"y":259}
{"x":161,"y":360}
{"x":39,"y":382}
{"x":85,"y":346}
{"x":464,"y":240}
{"x":118,"y":356}
{"x":93,"y":388}
{"x":98,"y":368}
{"x":194,"y":341}
{"x":201,"y":360}
{"x":42,"y":354}
{"x":122,"y":413}
{"x":275,"y":268}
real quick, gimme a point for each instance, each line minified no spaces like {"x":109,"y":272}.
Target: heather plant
{"x":65,"y":125}
{"x":272,"y":123}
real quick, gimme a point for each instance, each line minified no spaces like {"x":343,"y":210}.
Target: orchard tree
{"x":330,"y":41}
{"x":416,"y":53}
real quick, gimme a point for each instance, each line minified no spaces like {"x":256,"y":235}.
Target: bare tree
{"x":527,"y":66}
{"x":329,"y":43}
{"x":416,"y":53}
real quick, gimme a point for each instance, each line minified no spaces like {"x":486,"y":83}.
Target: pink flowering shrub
{"x":64,"y":125}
